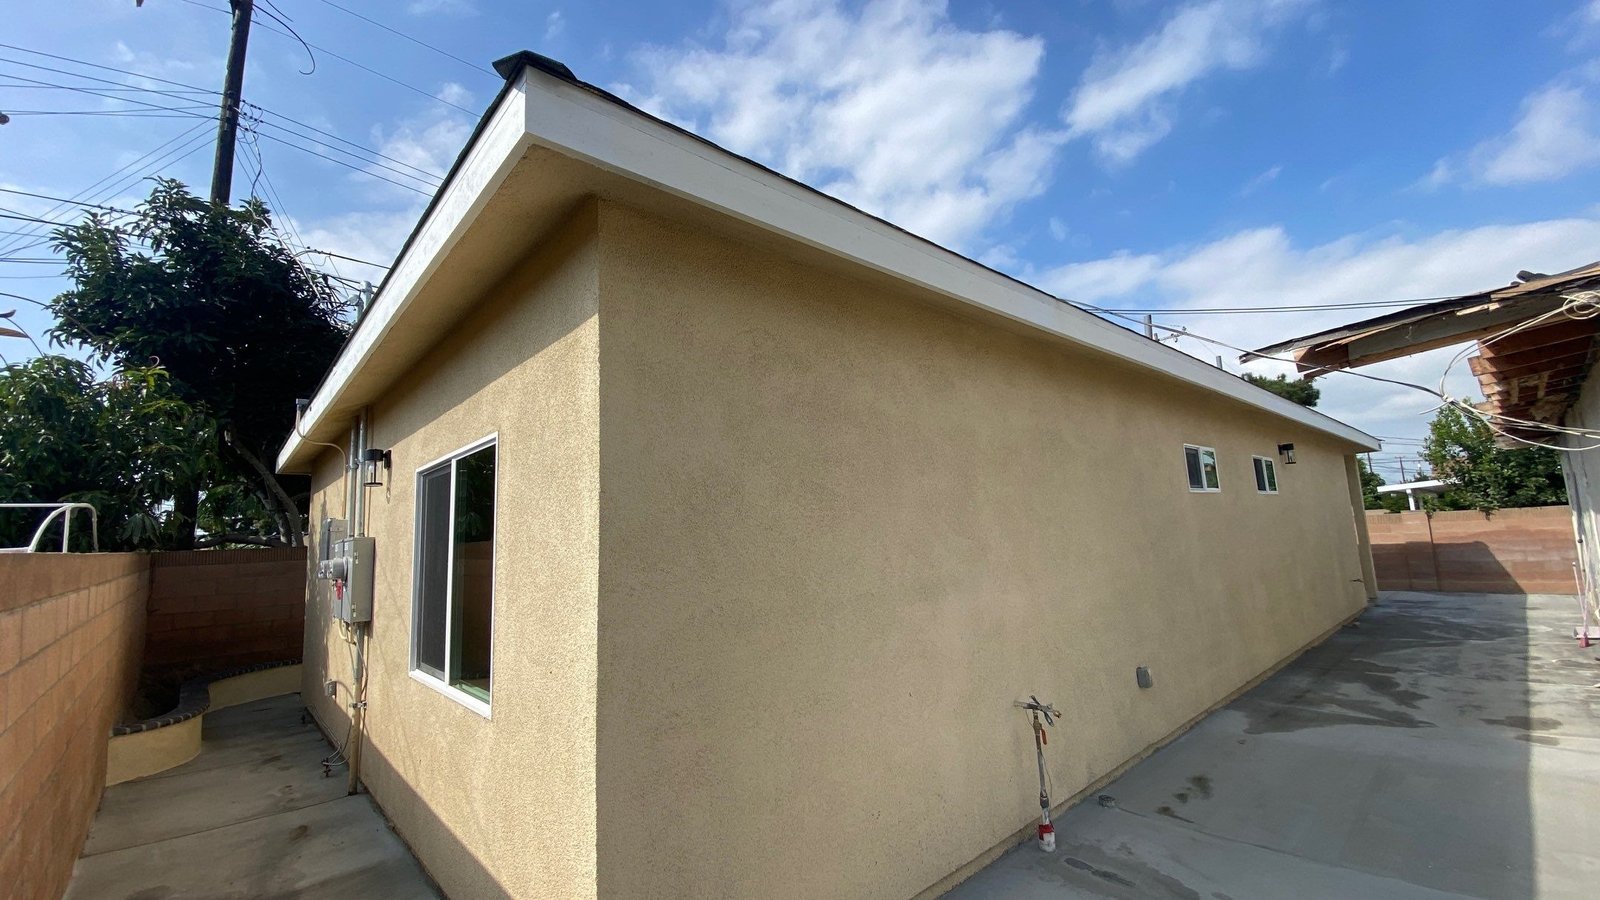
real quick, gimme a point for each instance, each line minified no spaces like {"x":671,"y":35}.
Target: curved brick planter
{"x":173,"y":738}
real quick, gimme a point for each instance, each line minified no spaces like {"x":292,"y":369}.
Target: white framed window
{"x":1266,"y":475}
{"x":1201,"y":462}
{"x":452,"y":611}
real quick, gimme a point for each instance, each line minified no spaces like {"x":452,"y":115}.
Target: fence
{"x":74,"y":630}
{"x":70,"y":637}
{"x":1512,"y":551}
{"x":217,"y":609}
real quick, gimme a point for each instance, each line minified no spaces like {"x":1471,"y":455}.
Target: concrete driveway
{"x":251,"y":817}
{"x":1447,"y":746}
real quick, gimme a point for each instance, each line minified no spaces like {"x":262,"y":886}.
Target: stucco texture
{"x":842,"y":530}
{"x":498,"y":806}
{"x":777,"y":546}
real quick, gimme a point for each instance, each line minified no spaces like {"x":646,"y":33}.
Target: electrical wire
{"x":348,"y":61}
{"x":479,"y":69}
{"x":179,"y":95}
{"x":188,"y":142}
{"x":1309,"y":307}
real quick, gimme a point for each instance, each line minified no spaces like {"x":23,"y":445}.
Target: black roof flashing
{"x":509,"y":66}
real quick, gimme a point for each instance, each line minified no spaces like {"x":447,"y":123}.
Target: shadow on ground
{"x":1447,"y":745}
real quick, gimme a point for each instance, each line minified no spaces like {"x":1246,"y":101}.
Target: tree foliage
{"x":119,"y":444}
{"x":207,"y":293}
{"x":1370,"y":482}
{"x":1460,"y":448}
{"x":1300,"y":390}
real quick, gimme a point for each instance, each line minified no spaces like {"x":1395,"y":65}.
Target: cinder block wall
{"x":71,"y":630}
{"x":1512,"y":551}
{"x":215,"y":609}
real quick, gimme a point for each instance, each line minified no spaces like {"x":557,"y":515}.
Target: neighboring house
{"x":1535,"y":355}
{"x":724,"y":522}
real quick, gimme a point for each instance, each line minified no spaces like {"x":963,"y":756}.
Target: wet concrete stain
{"x":299,"y":833}
{"x":1126,"y":876}
{"x":1201,"y":785}
{"x":1526,"y":723}
{"x":1181,"y":796}
{"x":1543,"y":740}
{"x":1170,"y":813}
{"x":1281,"y":719}
{"x":1102,"y":874}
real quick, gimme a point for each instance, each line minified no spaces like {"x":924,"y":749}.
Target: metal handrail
{"x":64,"y":510}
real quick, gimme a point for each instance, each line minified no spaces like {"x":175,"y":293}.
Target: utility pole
{"x":232,"y":88}
{"x":1150,"y":327}
{"x":1403,"y":470}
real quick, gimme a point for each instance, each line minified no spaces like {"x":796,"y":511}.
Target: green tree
{"x":119,"y":444}
{"x":240,"y":324}
{"x":1300,"y":390}
{"x":1461,"y":450}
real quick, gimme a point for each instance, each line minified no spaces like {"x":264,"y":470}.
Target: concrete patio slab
{"x":1447,"y":746}
{"x":251,"y":816}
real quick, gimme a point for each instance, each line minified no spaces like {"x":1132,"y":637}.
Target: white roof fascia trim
{"x":475,"y":181}
{"x":576,"y":122}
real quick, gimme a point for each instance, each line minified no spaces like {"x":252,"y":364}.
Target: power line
{"x":188,"y":141}
{"x":119,"y":86}
{"x":95,"y":65}
{"x":427,"y":178}
{"x":1232,"y":310}
{"x":348,"y":61}
{"x":344,"y":164}
{"x":479,"y":69}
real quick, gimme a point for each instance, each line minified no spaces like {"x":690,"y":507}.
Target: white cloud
{"x":429,"y":141}
{"x":1554,"y":137}
{"x":1122,"y":103}
{"x":442,"y":7}
{"x":1263,"y":267}
{"x":554,"y":25}
{"x":1260,"y":181}
{"x":891,"y":107}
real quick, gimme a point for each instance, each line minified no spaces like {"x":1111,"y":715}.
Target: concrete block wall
{"x":218,"y":609}
{"x":71,"y":631}
{"x":1512,"y":551}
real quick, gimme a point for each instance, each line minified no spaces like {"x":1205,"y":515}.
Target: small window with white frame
{"x":1202,"y":465}
{"x":453,"y":601}
{"x":1266,"y":475}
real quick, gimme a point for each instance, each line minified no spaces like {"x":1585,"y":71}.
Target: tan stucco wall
{"x":842,"y":530}
{"x":500,"y":806}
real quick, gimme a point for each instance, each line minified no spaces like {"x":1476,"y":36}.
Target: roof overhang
{"x":549,"y":141}
{"x":1532,"y":360}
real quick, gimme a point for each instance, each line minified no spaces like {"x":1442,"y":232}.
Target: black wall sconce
{"x":1287,"y":452}
{"x":371,"y":462}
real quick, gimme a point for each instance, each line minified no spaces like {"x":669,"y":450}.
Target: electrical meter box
{"x":345,"y":564}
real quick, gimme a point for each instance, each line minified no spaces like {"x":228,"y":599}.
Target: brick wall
{"x":71,"y":628}
{"x":216,"y":609}
{"x":1513,"y":551}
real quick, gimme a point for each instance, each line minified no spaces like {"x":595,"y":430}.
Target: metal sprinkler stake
{"x":1047,"y":832}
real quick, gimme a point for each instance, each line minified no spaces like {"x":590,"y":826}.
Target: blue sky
{"x":1127,"y":153}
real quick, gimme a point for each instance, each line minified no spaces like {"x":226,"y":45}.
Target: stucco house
{"x":715,"y":525}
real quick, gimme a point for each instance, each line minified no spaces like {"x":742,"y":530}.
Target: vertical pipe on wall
{"x":1358,"y":509}
{"x":358,"y":675}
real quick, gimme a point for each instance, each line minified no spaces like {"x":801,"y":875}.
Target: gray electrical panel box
{"x":345,"y":564}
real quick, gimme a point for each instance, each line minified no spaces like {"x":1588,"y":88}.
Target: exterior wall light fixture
{"x":375,"y":464}
{"x":1284,"y":450}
